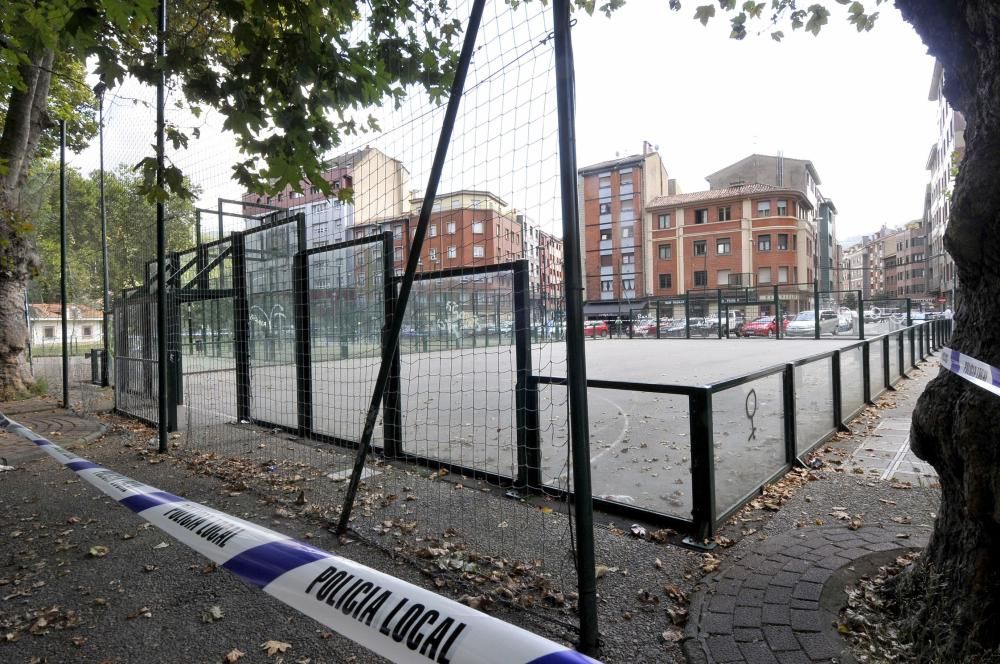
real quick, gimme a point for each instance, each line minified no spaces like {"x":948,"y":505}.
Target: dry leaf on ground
{"x":273,"y":647}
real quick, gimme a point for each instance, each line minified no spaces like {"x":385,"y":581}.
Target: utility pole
{"x":99,"y":90}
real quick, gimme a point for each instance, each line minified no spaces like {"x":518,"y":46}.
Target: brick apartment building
{"x":905,"y":263}
{"x":801,"y":175}
{"x":379,"y":189}
{"x":747,"y":235}
{"x":616,"y":228}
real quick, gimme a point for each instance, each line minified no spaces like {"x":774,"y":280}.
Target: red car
{"x":761,"y":327}
{"x":595,"y":328}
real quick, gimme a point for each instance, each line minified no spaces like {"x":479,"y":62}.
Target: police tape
{"x":973,"y":370}
{"x":393,"y":618}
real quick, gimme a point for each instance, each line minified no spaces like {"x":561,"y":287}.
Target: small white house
{"x":83,"y":324}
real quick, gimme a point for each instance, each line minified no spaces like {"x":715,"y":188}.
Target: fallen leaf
{"x":273,"y":647}
{"x":600,"y":571}
{"x":658,"y":564}
{"x":233,"y":655}
{"x":214,"y":613}
{"x":99,"y":551}
{"x":672,"y":635}
{"x":161,"y":545}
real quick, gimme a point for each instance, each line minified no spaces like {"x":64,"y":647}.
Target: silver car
{"x":804,"y":325}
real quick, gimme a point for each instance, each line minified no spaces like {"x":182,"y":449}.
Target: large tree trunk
{"x":952,"y":600}
{"x":25,"y":120}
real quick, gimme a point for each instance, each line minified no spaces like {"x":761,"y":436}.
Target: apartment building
{"x":616,"y":228}
{"x":550,"y":266}
{"x":378,"y":189}
{"x":942,"y":164}
{"x":745,"y":235}
{"x":854,"y":268}
{"x":905,"y":262}
{"x":801,"y":175}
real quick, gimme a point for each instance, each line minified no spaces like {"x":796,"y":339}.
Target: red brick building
{"x":616,"y":228}
{"x":747,"y":235}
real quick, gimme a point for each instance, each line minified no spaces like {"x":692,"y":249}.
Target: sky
{"x":856,"y":105}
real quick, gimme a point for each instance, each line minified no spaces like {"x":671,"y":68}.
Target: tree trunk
{"x":952,"y":600}
{"x":25,"y":120}
{"x":14,"y":375}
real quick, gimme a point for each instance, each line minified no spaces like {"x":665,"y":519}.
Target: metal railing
{"x":853,"y":377}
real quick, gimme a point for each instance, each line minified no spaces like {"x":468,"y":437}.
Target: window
{"x":782,"y":275}
{"x":782,"y":241}
{"x":88,"y":330}
{"x":763,"y":208}
{"x":607,"y":260}
{"x":626,"y":209}
{"x":626,"y":177}
{"x":604,"y":181}
{"x":763,"y":243}
{"x":725,"y":213}
{"x":397,"y":232}
{"x":605,"y":208}
{"x":49,"y":332}
{"x":628,"y":284}
{"x":312,"y":190}
{"x":456,"y":203}
{"x":665,"y":252}
{"x":477,"y":251}
{"x":782,"y":208}
{"x":628,"y":231}
{"x":701,"y":278}
{"x":666,"y":281}
{"x":477,"y":204}
{"x":764,"y":275}
{"x":397,"y":254}
{"x":700,"y":248}
{"x":280,"y":196}
{"x":701,"y":216}
{"x":606,"y":285}
{"x":477,"y":227}
{"x":361,"y":279}
{"x":723,"y":246}
{"x":433,"y":255}
{"x":605,"y":234}
{"x":433,"y":230}
{"x":664,"y":221}
{"x":722,"y":278}
{"x":451,"y":228}
{"x":452,"y":252}
{"x":628,"y":259}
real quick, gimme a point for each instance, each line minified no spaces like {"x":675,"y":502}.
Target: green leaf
{"x":704,"y":13}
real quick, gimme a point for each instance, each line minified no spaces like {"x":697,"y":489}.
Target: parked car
{"x":645,"y":327}
{"x":761,"y":327}
{"x":673,"y":328}
{"x":804,"y":324}
{"x":595,"y":328}
{"x":845,"y":320}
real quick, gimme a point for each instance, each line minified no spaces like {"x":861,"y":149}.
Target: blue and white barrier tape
{"x":393,"y":618}
{"x":973,"y":370}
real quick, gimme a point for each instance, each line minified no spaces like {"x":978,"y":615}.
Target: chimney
{"x":672,"y":188}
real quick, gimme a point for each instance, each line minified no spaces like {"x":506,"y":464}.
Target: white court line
{"x":621,"y":436}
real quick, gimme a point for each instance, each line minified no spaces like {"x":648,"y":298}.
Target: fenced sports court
{"x":404,"y":357}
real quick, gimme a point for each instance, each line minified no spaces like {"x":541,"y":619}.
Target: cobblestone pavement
{"x":777,"y":604}
{"x":44,"y":416}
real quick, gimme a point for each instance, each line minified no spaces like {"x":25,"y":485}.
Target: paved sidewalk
{"x":776,"y":597}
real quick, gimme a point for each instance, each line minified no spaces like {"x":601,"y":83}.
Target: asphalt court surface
{"x":459,"y":406}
